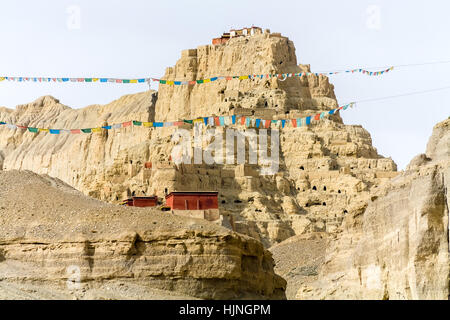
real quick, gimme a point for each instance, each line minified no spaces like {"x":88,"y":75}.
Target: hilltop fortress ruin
{"x":339,"y":219}
{"x":326,"y":170}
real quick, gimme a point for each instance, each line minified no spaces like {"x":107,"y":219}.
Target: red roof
{"x":186,"y":193}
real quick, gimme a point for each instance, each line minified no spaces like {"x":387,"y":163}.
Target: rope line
{"x":395,"y":66}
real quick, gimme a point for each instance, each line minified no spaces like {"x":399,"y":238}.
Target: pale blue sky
{"x":141,"y":38}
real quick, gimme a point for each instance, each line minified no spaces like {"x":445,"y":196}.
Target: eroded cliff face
{"x":51,"y":234}
{"x":399,"y":247}
{"x":326,"y":170}
{"x":82,"y":161}
{"x":258,"y":54}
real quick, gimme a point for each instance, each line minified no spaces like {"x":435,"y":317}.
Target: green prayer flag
{"x":86,"y":130}
{"x":88,"y":80}
{"x":188,"y":121}
{"x":137,"y":123}
{"x":33,"y":129}
{"x":126,"y":81}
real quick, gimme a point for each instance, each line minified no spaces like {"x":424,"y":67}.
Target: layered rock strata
{"x":52,"y":234}
{"x":326,"y":170}
{"x":398,"y":248}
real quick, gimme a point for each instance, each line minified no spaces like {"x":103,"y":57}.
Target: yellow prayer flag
{"x":95,"y":79}
{"x":43,"y":130}
{"x":2,"y":78}
{"x":206,"y":80}
{"x":170,"y":82}
{"x":133,"y":81}
{"x":96,"y":129}
{"x":147,"y":124}
{"x":243,"y":77}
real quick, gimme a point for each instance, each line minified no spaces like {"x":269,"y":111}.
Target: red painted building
{"x":148,"y":165}
{"x":142,"y":201}
{"x":217,"y":41}
{"x":192,"y":200}
{"x":223,"y":39}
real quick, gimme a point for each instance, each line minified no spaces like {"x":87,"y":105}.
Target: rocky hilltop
{"x":52,"y":234}
{"x":326,"y":170}
{"x":398,"y":248}
{"x":340,"y":220}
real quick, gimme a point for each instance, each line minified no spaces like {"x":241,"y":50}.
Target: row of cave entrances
{"x":314,"y":188}
{"x":318,"y":204}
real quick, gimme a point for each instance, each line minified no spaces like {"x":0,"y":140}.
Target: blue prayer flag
{"x":308,"y":120}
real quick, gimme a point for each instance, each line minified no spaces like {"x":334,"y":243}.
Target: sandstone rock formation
{"x":326,"y":170}
{"x":50,"y":234}
{"x":398,"y":248}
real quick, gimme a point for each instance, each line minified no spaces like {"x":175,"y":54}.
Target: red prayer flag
{"x":294,"y":123}
{"x":268,"y":123}
{"x":217,"y":121}
{"x":242,"y":120}
{"x":75,"y":131}
{"x":317,"y":116}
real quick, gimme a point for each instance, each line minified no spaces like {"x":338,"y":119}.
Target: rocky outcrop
{"x":341,"y":222}
{"x":398,"y":248}
{"x":83,"y":161}
{"x":52,"y":234}
{"x":326,"y":170}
